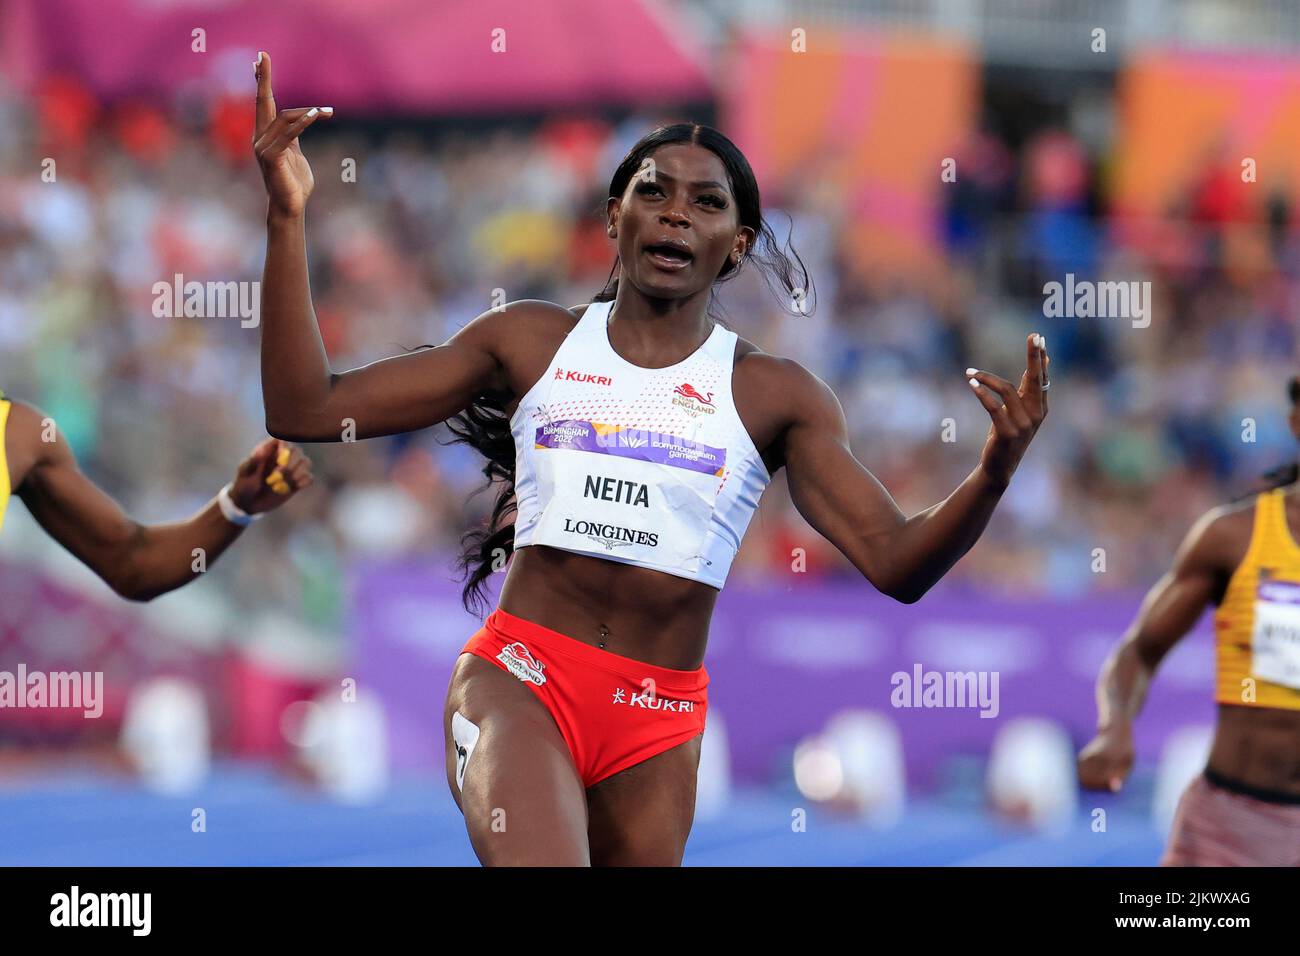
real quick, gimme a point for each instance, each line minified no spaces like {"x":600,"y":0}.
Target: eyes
{"x":646,"y":188}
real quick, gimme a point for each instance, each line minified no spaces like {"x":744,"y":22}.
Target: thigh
{"x":520,"y":793}
{"x":1210,"y":829}
{"x":642,"y":816}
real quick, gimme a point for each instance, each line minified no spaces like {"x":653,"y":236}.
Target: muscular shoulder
{"x":780,"y":383}
{"x":26,"y":422}
{"x":30,"y":442}
{"x":515,"y":335}
{"x":1219,"y":538}
{"x":774,"y":393}
{"x":503,"y":324}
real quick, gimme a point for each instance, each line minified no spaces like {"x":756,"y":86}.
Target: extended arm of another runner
{"x":903,"y":557}
{"x":139,"y":561}
{"x":1169,"y":611}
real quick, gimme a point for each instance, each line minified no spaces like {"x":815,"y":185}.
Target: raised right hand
{"x":285,"y":170}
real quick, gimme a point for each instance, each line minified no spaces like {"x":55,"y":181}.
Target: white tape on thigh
{"x":464,"y":735}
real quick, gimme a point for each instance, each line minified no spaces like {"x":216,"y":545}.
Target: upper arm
{"x":420,"y":388}
{"x":831,"y":489}
{"x":1197,"y":579}
{"x":67,"y":504}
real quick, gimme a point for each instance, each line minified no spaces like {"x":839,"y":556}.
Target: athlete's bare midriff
{"x":640,"y":613}
{"x":1258,"y":746}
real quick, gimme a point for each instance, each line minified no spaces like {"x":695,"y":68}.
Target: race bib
{"x":626,"y":493}
{"x":1275,"y":640}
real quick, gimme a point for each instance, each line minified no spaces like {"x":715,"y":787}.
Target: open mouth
{"x":669,"y":256}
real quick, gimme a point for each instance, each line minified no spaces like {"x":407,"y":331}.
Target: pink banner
{"x":386,"y":56}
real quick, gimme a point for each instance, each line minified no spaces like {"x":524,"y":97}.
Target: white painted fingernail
{"x":1038,"y":340}
{"x":973,"y":383}
{"x":313,"y":111}
{"x":1042,"y":342}
{"x":971,"y":371}
{"x":327,"y":109}
{"x":258,"y":61}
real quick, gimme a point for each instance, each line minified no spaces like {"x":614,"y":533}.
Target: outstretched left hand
{"x":1016,"y":412}
{"x":272,"y":473}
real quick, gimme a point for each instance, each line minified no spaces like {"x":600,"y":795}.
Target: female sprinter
{"x":1243,"y":558}
{"x":634,"y":437}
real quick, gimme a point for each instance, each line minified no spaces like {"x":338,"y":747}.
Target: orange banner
{"x":862,"y":123}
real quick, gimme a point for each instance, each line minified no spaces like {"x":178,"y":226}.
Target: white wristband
{"x":233,"y":513}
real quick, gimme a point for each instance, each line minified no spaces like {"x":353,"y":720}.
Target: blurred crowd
{"x":1146,"y":425}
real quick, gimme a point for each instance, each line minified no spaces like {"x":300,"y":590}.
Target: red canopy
{"x":364,"y":56}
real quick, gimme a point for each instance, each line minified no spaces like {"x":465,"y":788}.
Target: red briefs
{"x":613,"y":712}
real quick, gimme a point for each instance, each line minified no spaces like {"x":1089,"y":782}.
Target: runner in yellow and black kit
{"x":138,"y":561}
{"x":1244,"y":557}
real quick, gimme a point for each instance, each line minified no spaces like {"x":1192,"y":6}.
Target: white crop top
{"x":647,"y":466}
